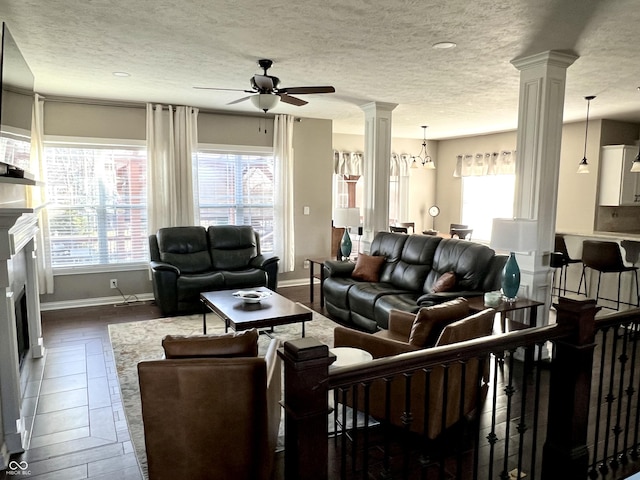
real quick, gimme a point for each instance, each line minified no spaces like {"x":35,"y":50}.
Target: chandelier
{"x":423,"y":157}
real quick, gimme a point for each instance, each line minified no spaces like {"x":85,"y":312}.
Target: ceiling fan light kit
{"x":267,"y":93}
{"x":265,"y":101}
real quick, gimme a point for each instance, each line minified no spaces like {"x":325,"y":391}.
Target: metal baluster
{"x":635,"y":454}
{"x":343,"y":440}
{"x":593,"y":473}
{"x":407,"y":420}
{"x":522,"y":426}
{"x":509,"y":391}
{"x":425,"y":458}
{"x":445,"y":399}
{"x":463,"y":375}
{"x":536,"y":410}
{"x":629,"y":391}
{"x":354,"y":428}
{"x":604,"y":469}
{"x":480,"y":384}
{"x":386,"y":472}
{"x":365,"y":452}
{"x":617,"y":429}
{"x":491,"y":436}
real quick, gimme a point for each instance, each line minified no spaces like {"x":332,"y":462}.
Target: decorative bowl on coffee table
{"x":251,"y":296}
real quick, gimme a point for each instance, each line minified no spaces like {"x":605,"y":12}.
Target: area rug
{"x":135,"y":342}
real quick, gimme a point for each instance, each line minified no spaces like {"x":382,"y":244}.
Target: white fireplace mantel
{"x":18,"y":229}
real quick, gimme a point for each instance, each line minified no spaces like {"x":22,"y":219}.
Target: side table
{"x":313,"y":275}
{"x":476,"y":304}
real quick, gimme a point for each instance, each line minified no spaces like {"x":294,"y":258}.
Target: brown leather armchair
{"x":455,"y":325}
{"x":208,"y":417}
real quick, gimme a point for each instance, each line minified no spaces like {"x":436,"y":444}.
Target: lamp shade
{"x":346,"y":217}
{"x":514,"y":234}
{"x":265,"y":101}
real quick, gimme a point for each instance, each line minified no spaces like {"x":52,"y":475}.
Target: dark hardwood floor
{"x":79,"y":429}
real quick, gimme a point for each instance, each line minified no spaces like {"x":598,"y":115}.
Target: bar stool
{"x":561,"y":247}
{"x":556,"y":262}
{"x":605,"y":257}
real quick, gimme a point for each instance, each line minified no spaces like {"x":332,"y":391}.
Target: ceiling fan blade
{"x":263,"y":82}
{"x":225,"y":89}
{"x":239,"y":100}
{"x":292,"y":100}
{"x":302,"y":90}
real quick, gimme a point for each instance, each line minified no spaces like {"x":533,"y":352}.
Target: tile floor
{"x":79,"y":428}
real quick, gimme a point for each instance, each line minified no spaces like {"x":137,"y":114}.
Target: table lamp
{"x":513,"y":235}
{"x":346,"y":217}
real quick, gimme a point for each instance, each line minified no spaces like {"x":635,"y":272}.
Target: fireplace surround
{"x":18,"y":277}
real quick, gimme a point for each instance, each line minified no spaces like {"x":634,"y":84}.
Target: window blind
{"x":236,"y":189}
{"x":97,"y":205}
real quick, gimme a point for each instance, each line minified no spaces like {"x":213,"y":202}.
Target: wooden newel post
{"x":306,"y":408}
{"x":565,"y":453}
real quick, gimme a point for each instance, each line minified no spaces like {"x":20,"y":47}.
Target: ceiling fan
{"x":267,"y":93}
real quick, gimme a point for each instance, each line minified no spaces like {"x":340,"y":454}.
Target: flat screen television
{"x":16,"y":103}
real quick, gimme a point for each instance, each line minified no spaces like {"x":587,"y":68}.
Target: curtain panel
{"x":171,"y":143}
{"x":478,"y":164}
{"x":38,"y":196}
{"x":284,"y":241}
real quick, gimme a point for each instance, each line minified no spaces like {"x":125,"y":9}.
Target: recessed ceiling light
{"x":121,"y":74}
{"x":444,"y":45}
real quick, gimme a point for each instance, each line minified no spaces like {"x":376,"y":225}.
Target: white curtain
{"x":172,"y":139}
{"x":348,"y":163}
{"x":284,"y":238}
{"x":470,"y":165}
{"x":38,"y":196}
{"x":400,"y":165}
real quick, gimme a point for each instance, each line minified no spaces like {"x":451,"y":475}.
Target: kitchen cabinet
{"x":618,"y":186}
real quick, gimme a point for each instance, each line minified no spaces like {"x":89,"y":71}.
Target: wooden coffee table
{"x":272,"y":311}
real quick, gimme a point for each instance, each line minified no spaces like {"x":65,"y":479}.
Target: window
{"x":236,"y":188}
{"x":484,"y":198}
{"x":15,"y":149}
{"x":97,"y":204}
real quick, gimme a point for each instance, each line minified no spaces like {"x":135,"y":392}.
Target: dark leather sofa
{"x":413,"y":264}
{"x":186,"y":261}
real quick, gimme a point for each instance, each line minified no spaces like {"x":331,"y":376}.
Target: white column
{"x":540,"y":111}
{"x":377,"y":157}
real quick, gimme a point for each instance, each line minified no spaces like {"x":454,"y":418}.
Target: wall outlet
{"x":305,"y":264}
{"x":113,"y":283}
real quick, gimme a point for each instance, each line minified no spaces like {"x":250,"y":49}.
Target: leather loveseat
{"x":186,"y":261}
{"x":410,"y":276}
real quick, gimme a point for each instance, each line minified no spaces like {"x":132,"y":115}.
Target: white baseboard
{"x":93,"y":302}
{"x":141,"y":297}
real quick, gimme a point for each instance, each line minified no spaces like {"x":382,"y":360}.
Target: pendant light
{"x":635,"y":166}
{"x":583,"y":166}
{"x":423,"y":157}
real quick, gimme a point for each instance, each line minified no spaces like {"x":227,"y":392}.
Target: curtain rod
{"x":124,"y":104}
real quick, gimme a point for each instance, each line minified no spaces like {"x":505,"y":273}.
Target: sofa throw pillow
{"x":368,"y":268}
{"x":237,"y":344}
{"x":430,"y":321}
{"x":445,"y":283}
{"x":478,"y":325}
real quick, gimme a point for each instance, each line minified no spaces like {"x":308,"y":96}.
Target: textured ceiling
{"x":369,"y":50}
